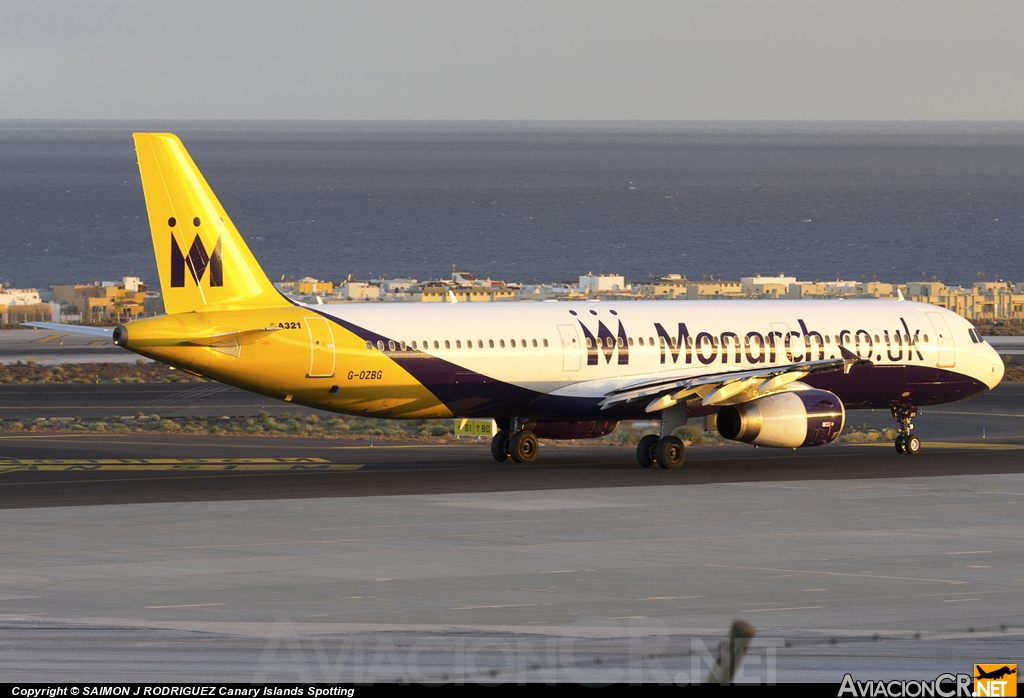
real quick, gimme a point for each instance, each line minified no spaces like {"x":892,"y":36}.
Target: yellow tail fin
{"x":202,"y":260}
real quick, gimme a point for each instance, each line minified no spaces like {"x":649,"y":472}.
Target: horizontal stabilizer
{"x":241,"y":337}
{"x":107,"y":332}
{"x":124,"y":335}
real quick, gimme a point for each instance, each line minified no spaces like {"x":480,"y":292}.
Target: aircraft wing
{"x":727,"y":387}
{"x":77,"y":329}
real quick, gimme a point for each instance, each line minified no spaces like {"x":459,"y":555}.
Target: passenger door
{"x":944,"y":339}
{"x":321,"y":348}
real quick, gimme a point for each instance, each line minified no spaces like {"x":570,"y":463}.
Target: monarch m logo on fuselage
{"x":197,"y":262}
{"x":607,"y":343}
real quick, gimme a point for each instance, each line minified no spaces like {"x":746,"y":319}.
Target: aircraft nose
{"x":997,"y":371}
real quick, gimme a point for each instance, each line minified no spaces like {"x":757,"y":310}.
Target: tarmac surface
{"x":213,"y":558}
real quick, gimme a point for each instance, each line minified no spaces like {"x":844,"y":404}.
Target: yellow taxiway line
{"x":8,"y":465}
{"x":48,"y":338}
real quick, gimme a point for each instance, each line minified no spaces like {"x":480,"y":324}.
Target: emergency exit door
{"x":570,"y":347}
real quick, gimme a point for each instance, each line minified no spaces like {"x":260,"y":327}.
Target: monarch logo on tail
{"x":197,"y":261}
{"x":176,"y":192}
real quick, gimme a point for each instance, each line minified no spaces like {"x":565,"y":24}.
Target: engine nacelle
{"x":785,"y":420}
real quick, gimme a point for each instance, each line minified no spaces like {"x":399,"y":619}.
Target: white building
{"x":602,"y":283}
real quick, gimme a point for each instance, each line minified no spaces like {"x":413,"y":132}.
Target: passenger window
{"x":380,"y":344}
{"x":640,"y":340}
{"x":458,"y":344}
{"x":502,"y":343}
{"x":545,"y":342}
{"x":414,"y":344}
{"x":589,"y":343}
{"x":436,"y":345}
{"x":490,"y":343}
{"x":447,"y":344}
{"x":535,"y":342}
{"x":369,"y":345}
{"x":401,"y":344}
{"x":513,"y":343}
{"x":391,"y":345}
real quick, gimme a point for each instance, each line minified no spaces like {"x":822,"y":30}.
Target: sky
{"x":524,"y":59}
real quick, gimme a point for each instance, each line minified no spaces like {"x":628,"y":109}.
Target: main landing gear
{"x":906,"y":442}
{"x":666,"y":452}
{"x":518,"y":444}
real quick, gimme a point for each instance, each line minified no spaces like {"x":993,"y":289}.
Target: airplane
{"x":996,"y":673}
{"x":778,"y":373}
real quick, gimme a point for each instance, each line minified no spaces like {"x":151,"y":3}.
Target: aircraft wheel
{"x":901,"y":444}
{"x":645,"y":450}
{"x":670,"y":453}
{"x":913,"y":445}
{"x":523,"y":447}
{"x":499,"y":446}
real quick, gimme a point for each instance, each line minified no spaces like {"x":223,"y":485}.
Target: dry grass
{"x":139,"y":372}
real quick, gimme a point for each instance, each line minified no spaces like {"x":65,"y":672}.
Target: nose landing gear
{"x":906,"y":442}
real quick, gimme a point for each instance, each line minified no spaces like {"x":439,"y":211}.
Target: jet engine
{"x":785,"y":420}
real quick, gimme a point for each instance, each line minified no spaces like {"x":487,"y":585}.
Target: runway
{"x":157,"y":557}
{"x":43,"y":470}
{"x":294,"y":559}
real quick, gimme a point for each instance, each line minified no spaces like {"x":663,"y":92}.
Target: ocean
{"x":534,"y":201}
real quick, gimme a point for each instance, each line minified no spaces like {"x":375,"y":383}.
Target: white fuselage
{"x":583,"y":350}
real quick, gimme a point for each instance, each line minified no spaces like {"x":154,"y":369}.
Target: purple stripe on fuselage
{"x":466,"y":393}
{"x":869,"y":387}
